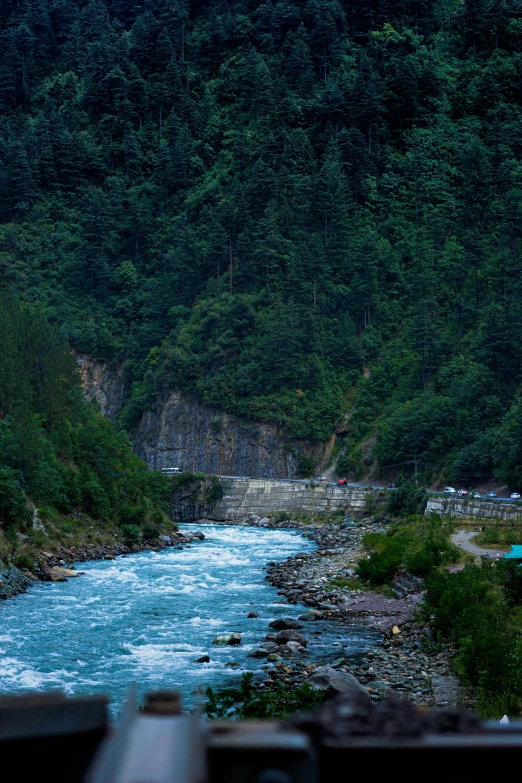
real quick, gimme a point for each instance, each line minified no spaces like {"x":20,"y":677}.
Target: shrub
{"x":214,"y":491}
{"x":14,"y":507}
{"x":407,"y":499}
{"x":477,"y":610}
{"x":150,"y":531}
{"x":420,"y":544}
{"x":131,"y":534}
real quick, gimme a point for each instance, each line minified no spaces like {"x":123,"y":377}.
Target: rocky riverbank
{"x":404,"y":661}
{"x":58,"y":566}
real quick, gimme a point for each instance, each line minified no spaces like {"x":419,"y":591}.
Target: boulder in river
{"x":227,"y":638}
{"x":252,"y":614}
{"x":203,"y":659}
{"x":258,"y":652}
{"x":52,"y":574}
{"x":333,"y":682}
{"x":285,"y":623}
{"x":312,"y":614}
{"x":290,"y":636}
{"x":67,"y":572}
{"x":273,"y":657}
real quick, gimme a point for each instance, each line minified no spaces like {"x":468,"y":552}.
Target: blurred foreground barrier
{"x":71,"y":740}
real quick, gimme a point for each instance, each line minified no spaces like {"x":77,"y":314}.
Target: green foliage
{"x":131,"y":534}
{"x":214,"y":491}
{"x":419,"y":544}
{"x":54,"y":448}
{"x":14,"y":505}
{"x":290,"y":210}
{"x":407,"y":499}
{"x":246,"y":702}
{"x":498,"y":536}
{"x":478,"y":611}
{"x":305,"y":464}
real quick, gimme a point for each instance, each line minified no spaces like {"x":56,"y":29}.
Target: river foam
{"x":145,"y":618}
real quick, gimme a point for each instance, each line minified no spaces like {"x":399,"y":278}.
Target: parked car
{"x":450,"y":490}
{"x":342,"y":482}
{"x":492,"y":494}
{"x":462,"y":492}
{"x":515,"y":496}
{"x":476,"y":494}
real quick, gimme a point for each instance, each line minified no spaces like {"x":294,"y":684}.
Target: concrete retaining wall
{"x":460,"y":508}
{"x":243,"y":497}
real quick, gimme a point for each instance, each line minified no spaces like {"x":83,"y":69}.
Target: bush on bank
{"x":419,"y":544}
{"x":479,"y":611}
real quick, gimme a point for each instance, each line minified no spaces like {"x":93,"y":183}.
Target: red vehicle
{"x":342,"y":483}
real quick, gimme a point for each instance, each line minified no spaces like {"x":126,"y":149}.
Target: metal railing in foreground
{"x":48,"y":735}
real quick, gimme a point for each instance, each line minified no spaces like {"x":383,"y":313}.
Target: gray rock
{"x":334,"y":682}
{"x":253,"y":614}
{"x":285,"y":623}
{"x":227,"y":638}
{"x":312,"y":614}
{"x":12,"y":581}
{"x":258,"y":652}
{"x":273,"y":657}
{"x":166,"y":539}
{"x":235,"y":638}
{"x":290,"y":636}
{"x":203,"y":659}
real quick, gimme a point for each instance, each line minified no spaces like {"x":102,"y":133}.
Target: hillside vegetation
{"x":291,"y":209}
{"x":57,"y":455}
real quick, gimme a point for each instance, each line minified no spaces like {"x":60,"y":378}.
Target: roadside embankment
{"x":474,"y":510}
{"x":240,"y":498}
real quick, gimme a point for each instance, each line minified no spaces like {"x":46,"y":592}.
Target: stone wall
{"x":480,"y":510}
{"x":243,"y":497}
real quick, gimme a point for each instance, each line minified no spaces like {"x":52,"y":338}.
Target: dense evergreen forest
{"x":305,"y":211}
{"x":56,"y":452}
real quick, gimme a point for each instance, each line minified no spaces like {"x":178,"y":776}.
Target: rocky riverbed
{"x":404,"y":663}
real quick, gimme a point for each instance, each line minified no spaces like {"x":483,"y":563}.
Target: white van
{"x":450,"y":491}
{"x":171,"y":471}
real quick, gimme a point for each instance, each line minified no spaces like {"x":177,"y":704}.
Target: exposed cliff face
{"x":183,"y":433}
{"x":194,"y":437}
{"x":102,"y":383}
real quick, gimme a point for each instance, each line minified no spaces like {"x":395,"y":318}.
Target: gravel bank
{"x":403,"y":662}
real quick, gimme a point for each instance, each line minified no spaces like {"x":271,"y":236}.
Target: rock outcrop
{"x":13,"y":581}
{"x":181,"y":432}
{"x":102,"y":383}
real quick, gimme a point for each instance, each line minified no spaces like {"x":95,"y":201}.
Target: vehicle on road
{"x":492,"y":494}
{"x":476,"y":494}
{"x":393,"y":485}
{"x":450,"y":490}
{"x":342,"y":482}
{"x":462,"y":493}
{"x":515,"y":496}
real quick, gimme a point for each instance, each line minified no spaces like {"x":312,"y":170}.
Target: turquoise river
{"x":145,"y":618}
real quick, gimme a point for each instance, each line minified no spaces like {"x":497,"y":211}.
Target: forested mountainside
{"x":56,"y":453}
{"x":305,"y":211}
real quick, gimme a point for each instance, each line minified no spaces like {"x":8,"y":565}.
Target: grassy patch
{"x":419,"y":544}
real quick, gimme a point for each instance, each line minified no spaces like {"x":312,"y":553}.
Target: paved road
{"x":462,"y":539}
